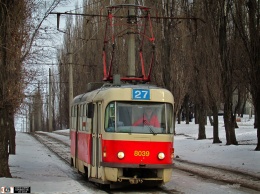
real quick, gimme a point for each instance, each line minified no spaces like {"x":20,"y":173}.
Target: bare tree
{"x":37,"y":110}
{"x":16,"y":40}
{"x":206,"y":88}
{"x":202,"y":61}
{"x":10,"y":65}
{"x":173,"y":62}
{"x":246,"y":18}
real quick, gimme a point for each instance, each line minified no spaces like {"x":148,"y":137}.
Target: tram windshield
{"x":139,"y":117}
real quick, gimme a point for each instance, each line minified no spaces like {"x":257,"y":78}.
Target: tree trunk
{"x":202,"y":115}
{"x":215,"y":125}
{"x":211,"y":120}
{"x":229,"y":124}
{"x":196,"y":114}
{"x":12,"y":134}
{"x":179,"y":116}
{"x":256,"y":119}
{"x":4,"y":156}
{"x":257,"y":112}
{"x":174,"y":122}
{"x":227,"y":78}
{"x":4,"y":130}
{"x":187,"y":109}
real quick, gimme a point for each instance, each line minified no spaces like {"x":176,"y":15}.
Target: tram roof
{"x":106,"y":86}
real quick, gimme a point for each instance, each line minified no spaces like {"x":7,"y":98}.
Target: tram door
{"x":75,"y":124}
{"x":96,"y":141}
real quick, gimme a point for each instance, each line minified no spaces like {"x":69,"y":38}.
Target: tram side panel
{"x":73,"y":132}
{"x":80,"y":138}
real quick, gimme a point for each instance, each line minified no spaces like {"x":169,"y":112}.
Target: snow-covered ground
{"x":37,"y":167}
{"x":242,"y":157}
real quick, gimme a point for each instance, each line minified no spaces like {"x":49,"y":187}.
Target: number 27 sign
{"x":141,"y":94}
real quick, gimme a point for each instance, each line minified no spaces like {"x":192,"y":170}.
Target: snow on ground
{"x":35,"y":166}
{"x":64,"y":138}
{"x":242,"y":157}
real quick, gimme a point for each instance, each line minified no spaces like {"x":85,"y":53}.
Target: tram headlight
{"x":120,"y":155}
{"x":161,"y":156}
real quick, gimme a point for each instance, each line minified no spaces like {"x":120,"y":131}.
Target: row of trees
{"x":20,"y":22}
{"x":12,"y":38}
{"x":203,"y":61}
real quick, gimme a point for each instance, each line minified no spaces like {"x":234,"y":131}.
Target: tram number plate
{"x":141,"y":94}
{"x":141,"y":153}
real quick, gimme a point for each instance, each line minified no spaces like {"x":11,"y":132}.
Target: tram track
{"x":58,"y":147}
{"x":220,"y":174}
{"x":62,"y":150}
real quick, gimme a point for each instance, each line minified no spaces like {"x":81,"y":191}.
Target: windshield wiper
{"x":150,"y":127}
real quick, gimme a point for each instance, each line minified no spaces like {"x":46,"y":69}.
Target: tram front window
{"x":136,"y":117}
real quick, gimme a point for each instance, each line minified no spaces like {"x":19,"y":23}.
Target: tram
{"x":109,"y":148}
{"x":122,"y":131}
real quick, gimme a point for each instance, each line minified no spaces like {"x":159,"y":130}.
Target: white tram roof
{"x":123,"y":92}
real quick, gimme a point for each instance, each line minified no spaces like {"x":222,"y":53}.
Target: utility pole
{"x":33,"y":117}
{"x":26,"y":121}
{"x":131,"y":41}
{"x":46,"y":127}
{"x":23,"y":126}
{"x":39,"y":109}
{"x":30,"y":118}
{"x":50,"y":101}
{"x":70,"y":80}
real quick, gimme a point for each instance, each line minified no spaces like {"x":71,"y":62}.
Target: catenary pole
{"x":70,"y":80}
{"x":39,"y":110}
{"x":26,"y":121}
{"x":50,"y":101}
{"x":131,"y":42}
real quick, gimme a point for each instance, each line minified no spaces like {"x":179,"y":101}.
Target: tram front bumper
{"x":116,"y":175}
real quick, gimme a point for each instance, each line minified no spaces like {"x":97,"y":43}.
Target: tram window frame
{"x":170,"y":118}
{"x":84,"y":118}
{"x":80,"y":117}
{"x":74,"y":117}
{"x":163,"y":110}
{"x":110,"y":117}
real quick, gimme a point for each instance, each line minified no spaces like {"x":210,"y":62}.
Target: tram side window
{"x":110,"y":117}
{"x":170,"y":117}
{"x":84,"y":115}
{"x":80,"y":117}
{"x":162,"y":113}
{"x":73,"y":117}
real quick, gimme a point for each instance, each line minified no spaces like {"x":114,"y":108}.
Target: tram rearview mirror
{"x":90,"y":110}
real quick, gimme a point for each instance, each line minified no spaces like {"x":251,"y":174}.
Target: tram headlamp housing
{"x":120,"y":155}
{"x":161,"y":155}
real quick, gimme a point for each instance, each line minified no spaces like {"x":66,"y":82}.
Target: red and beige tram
{"x":109,"y":147}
